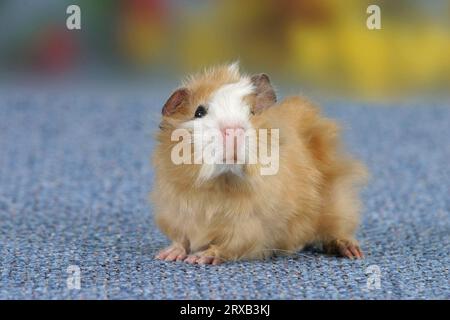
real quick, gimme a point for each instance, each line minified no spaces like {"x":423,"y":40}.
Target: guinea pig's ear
{"x":174,"y":101}
{"x":265,"y":94}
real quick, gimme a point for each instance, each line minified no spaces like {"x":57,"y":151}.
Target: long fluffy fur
{"x":313,"y":198}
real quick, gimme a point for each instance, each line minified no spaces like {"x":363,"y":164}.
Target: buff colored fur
{"x":312,"y":199}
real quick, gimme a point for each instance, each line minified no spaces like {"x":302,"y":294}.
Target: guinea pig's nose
{"x":228,"y":131}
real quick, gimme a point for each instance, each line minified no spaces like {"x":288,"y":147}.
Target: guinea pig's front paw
{"x":208,"y":256}
{"x":174,"y":252}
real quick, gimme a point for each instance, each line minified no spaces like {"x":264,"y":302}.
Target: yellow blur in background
{"x":327,"y":43}
{"x":319,"y":44}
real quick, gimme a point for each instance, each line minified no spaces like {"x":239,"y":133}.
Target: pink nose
{"x":232,"y":131}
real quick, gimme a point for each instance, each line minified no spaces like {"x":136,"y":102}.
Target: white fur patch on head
{"x":226,"y":108}
{"x":227,"y":105}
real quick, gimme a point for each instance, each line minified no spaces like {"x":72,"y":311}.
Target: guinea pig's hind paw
{"x":172,"y":253}
{"x":346,"y":248}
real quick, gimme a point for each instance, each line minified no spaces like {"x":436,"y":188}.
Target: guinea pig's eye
{"x":200,"y":112}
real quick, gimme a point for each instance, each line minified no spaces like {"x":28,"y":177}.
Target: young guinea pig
{"x":226,"y":209}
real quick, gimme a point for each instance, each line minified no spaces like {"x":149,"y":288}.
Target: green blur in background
{"x":314,"y":44}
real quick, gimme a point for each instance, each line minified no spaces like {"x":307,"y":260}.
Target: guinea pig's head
{"x":213,"y":109}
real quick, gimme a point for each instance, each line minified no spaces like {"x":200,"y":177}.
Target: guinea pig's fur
{"x":231,"y":212}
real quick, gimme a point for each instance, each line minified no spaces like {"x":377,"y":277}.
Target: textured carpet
{"x":74,"y":178}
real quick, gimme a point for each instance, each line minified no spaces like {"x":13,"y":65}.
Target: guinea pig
{"x":226,"y":210}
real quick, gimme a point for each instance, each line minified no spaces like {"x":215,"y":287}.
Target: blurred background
{"x":320,"y":45}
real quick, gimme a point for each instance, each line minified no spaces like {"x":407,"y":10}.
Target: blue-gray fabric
{"x":74,"y":179}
